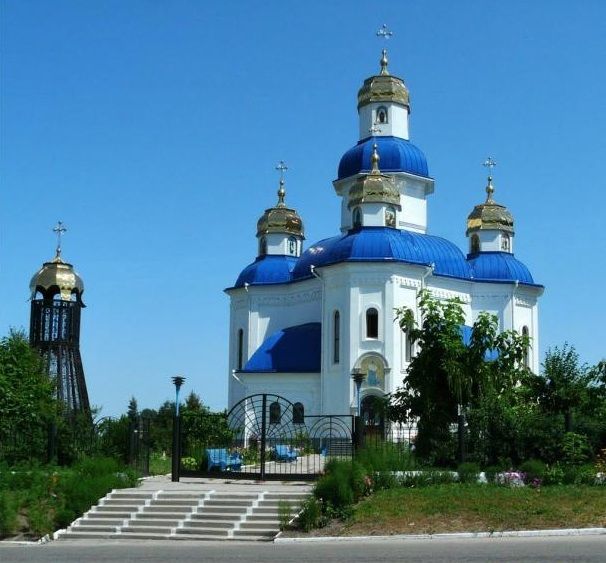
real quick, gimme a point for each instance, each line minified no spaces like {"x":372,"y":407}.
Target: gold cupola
{"x":280,"y":219}
{"x":384,"y":88}
{"x":57,"y":278}
{"x":490,"y":215}
{"x":374,"y":187}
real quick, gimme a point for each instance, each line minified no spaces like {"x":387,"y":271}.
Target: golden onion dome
{"x":374,"y":187}
{"x":490,"y":214}
{"x":280,"y":219}
{"x":384,"y":88}
{"x":57,"y":277}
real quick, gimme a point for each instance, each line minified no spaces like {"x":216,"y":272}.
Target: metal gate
{"x":270,"y":438}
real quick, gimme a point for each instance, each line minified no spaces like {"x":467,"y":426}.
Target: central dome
{"x":397,"y":155}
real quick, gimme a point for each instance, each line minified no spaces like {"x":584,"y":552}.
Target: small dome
{"x":490,"y":215}
{"x":499,"y":266}
{"x":374,"y":187}
{"x":267,"y":269}
{"x":383,"y":88}
{"x":397,"y":155}
{"x":280,"y":219}
{"x":57,"y":277}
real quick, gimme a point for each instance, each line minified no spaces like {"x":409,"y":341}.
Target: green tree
{"x":446,"y":375}
{"x":133,"y":410}
{"x":27,"y":403}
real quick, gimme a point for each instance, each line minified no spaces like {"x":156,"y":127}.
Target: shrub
{"x":385,"y":480}
{"x":311,"y":516}
{"x":426,"y":478}
{"x":386,"y":456}
{"x":554,"y":475}
{"x":8,"y":513}
{"x":534,"y":470}
{"x":284,"y":514}
{"x":575,"y":448}
{"x":468,"y":472}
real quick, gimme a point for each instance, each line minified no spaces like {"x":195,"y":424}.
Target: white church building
{"x":301,"y":320}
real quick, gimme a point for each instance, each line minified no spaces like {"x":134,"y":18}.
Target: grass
{"x":473,"y":508}
{"x":159,"y":464}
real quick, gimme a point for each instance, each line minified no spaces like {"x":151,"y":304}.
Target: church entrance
{"x":271,"y":438}
{"x":373,"y":417}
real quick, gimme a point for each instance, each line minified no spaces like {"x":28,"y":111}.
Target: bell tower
{"x":56,"y":304}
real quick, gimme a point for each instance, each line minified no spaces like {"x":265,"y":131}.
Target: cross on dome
{"x":281,"y":191}
{"x":384,"y":32}
{"x":489,"y":163}
{"x":59,"y":229}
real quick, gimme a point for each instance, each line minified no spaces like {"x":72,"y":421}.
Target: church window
{"x":372,"y":323}
{"x":298,"y":413}
{"x":475,"y":244}
{"x":381,"y":115}
{"x":292,"y":245}
{"x":505,"y":243}
{"x":336,"y":337}
{"x":275,"y":413}
{"x":357,"y":218}
{"x":526,"y":355}
{"x":390,"y":216}
{"x":262,"y":246}
{"x":240,"y":348}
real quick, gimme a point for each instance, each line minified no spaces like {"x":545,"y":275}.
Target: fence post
{"x":176,"y":457}
{"x":358,"y":433}
{"x":263,"y":435}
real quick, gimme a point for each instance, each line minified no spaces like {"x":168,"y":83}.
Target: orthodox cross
{"x":489,"y":163}
{"x":384,"y":32}
{"x":281,"y":191}
{"x":374,"y":129}
{"x":59,"y":229}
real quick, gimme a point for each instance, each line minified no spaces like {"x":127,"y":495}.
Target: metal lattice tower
{"x":56,"y":305}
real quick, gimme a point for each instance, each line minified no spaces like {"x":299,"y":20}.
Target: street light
{"x":176,"y":458}
{"x":178,"y":381}
{"x":358,"y":377}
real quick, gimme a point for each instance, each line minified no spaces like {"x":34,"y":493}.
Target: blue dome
{"x":378,"y":244}
{"x":499,"y":266}
{"x":267,"y":269}
{"x":397,"y":155}
{"x":294,"y":349}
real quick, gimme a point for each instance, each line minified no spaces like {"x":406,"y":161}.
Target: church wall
{"x":397,"y":121}
{"x":414,"y":204}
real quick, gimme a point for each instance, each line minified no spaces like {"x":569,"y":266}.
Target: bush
{"x":534,"y":470}
{"x":426,"y":478}
{"x":575,"y":448}
{"x":311,"y":516}
{"x":8,"y":513}
{"x":468,"y":472}
{"x":554,"y":475}
{"x":383,"y":480}
{"x":386,"y":456}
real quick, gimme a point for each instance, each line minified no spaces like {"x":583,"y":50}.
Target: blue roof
{"x":294,"y":349}
{"x":397,"y":155}
{"x":499,"y":266}
{"x":378,"y":244}
{"x":267,"y":269}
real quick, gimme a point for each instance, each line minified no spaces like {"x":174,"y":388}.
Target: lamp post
{"x":358,"y":377}
{"x":176,"y":458}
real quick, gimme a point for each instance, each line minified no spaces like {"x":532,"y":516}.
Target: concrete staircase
{"x":186,"y":515}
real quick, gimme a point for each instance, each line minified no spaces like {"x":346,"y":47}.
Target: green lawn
{"x":472,"y":508}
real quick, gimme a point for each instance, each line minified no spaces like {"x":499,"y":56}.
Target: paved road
{"x":586,"y":549}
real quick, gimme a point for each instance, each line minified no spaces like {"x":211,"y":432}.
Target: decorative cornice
{"x":289,"y":299}
{"x":525,"y":302}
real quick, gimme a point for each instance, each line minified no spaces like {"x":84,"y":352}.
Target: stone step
{"x":228,"y":502}
{"x":86,"y":535}
{"x":246,"y":533}
{"x":130,"y":529}
{"x":214,"y":524}
{"x":222,"y":509}
{"x":211,"y":536}
{"x":182,"y":496}
{"x":130,"y":495}
{"x":99,"y":528}
{"x":222,"y":532}
{"x":87,"y":522}
{"x":99,"y":512}
{"x":162,"y":515}
{"x":235,"y":496}
{"x":166,"y":508}
{"x":155,"y":522}
{"x":123,"y":502}
{"x":174,"y":502}
{"x":266,"y":526}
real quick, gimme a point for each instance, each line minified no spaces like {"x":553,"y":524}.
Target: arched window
{"x":275,"y":413}
{"x":526,"y":354}
{"x":298,"y":413}
{"x":357,"y":218}
{"x":240,"y":348}
{"x":381,"y":115}
{"x":292,"y":245}
{"x":390,"y":216}
{"x":262,"y":246}
{"x":475,"y":244}
{"x":372,"y":323}
{"x":505,"y":243}
{"x":336,"y":340}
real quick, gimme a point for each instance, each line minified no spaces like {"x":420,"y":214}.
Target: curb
{"x":453,"y":536}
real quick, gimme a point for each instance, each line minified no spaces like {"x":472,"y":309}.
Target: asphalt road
{"x":583,"y":548}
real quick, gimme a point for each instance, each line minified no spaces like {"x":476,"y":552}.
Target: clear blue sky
{"x":152,"y":128}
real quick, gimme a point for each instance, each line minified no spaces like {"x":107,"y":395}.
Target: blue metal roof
{"x":378,"y":244}
{"x":294,"y":349}
{"x":499,"y":266}
{"x":267,"y":269}
{"x":397,"y":155}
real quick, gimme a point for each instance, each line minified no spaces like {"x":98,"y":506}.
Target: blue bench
{"x":285,"y":453}
{"x":221,"y":459}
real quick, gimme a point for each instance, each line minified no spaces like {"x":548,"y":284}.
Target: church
{"x":303,"y":320}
